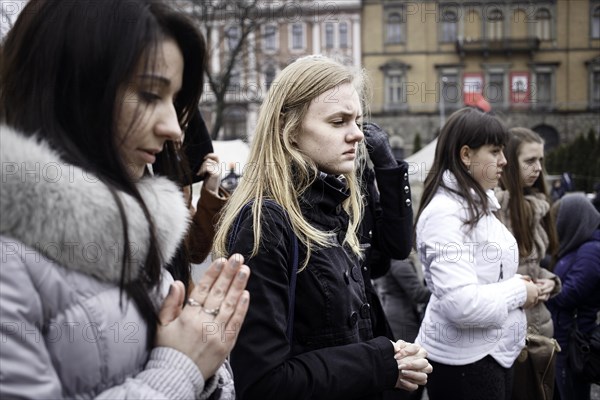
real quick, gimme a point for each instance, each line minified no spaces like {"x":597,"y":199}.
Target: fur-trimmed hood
{"x":71,"y":217}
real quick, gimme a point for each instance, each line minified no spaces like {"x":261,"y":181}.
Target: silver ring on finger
{"x":193,"y":303}
{"x":212,"y":311}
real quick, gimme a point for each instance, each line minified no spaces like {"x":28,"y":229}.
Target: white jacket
{"x":474,"y":310}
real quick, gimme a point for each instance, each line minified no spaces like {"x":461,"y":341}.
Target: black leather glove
{"x":378,"y":146}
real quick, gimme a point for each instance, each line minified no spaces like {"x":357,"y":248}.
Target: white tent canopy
{"x":420,"y":163}
{"x":231,"y":153}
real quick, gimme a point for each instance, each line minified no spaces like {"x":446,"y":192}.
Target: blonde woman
{"x":303,"y":190}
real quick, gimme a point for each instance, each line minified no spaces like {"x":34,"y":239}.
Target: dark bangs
{"x":487,"y":130}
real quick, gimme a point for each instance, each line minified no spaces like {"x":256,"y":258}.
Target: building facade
{"x":286,"y":30}
{"x":537,"y":63}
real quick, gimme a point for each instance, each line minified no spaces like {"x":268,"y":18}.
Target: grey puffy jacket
{"x":65,"y":331}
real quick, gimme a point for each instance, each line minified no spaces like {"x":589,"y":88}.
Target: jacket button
{"x":346,"y":277}
{"x":365,"y":310}
{"x":356,"y":274}
{"x":406,"y":176}
{"x":406,"y":189}
{"x":353,"y":318}
{"x":338,"y":209}
{"x":407,"y":202}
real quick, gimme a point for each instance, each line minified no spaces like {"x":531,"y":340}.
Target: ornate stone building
{"x":286,"y":31}
{"x":537,"y":63}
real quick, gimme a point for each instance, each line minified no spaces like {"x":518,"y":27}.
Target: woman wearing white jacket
{"x":474,"y":325}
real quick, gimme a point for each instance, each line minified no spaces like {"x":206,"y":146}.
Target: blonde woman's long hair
{"x":278,"y":170}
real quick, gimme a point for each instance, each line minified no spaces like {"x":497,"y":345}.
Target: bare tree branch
{"x":247,"y":17}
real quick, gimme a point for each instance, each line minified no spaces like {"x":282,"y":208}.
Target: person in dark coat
{"x":386,"y":228}
{"x":196,"y":162}
{"x":403,"y":298}
{"x":309,"y":334}
{"x":578,"y":266}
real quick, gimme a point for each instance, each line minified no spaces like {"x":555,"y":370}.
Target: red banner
{"x":519,"y":89}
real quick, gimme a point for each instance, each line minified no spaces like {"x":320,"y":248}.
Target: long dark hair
{"x":473,"y":128}
{"x":521,"y":213}
{"x":61,"y":69}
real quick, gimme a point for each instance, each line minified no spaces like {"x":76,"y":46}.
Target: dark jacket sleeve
{"x":261,"y":360}
{"x":407,"y":278}
{"x":393,"y":212}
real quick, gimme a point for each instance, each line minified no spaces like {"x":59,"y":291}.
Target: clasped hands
{"x":206,"y":329}
{"x":413,"y":365}
{"x":546,"y":288}
{"x":537,"y":291}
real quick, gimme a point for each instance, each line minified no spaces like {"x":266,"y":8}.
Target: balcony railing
{"x":495,"y":46}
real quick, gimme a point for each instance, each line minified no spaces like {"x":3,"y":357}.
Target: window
{"x":495,"y":25}
{"x":495,"y":88}
{"x":394,"y":28}
{"x":234,"y":123}
{"x":543,"y":89}
{"x":329,"y":35}
{"x":449,"y":25}
{"x":450,"y":95}
{"x":343,"y":35}
{"x":543,"y":21}
{"x":543,"y":85}
{"x":395,"y":85}
{"x":270,"y":38}
{"x":233,"y":37}
{"x":269,"y":76}
{"x":297,"y":36}
{"x":473,"y":25}
{"x":596,"y":23}
{"x":595,"y":89}
{"x":496,"y":84}
{"x":235,"y":79}
{"x":593,"y":67}
{"x":394,"y":89}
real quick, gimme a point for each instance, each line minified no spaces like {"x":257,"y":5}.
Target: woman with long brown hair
{"x":474,"y":324}
{"x":525,"y":206}
{"x":525,"y":210}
